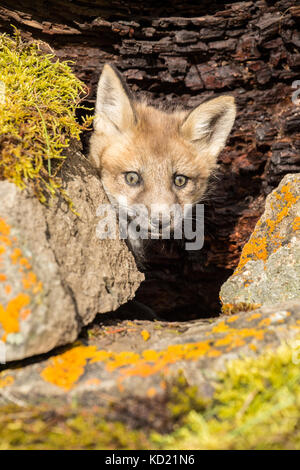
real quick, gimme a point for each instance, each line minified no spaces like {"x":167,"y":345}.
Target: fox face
{"x":152,"y":157}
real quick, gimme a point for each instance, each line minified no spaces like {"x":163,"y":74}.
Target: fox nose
{"x":159,"y":223}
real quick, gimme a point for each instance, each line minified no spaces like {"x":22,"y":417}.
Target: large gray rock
{"x":123,"y":360}
{"x":269,"y":268}
{"x":55,"y":273}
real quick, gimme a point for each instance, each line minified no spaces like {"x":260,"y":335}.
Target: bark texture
{"x":181,"y":53}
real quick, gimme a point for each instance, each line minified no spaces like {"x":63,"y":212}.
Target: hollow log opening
{"x":181,"y":53}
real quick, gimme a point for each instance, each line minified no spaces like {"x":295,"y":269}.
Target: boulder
{"x":123,"y":360}
{"x":269,"y":267}
{"x":55,"y":272}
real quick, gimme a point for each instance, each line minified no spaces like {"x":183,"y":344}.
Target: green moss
{"x":39,"y":96}
{"x":183,"y":398}
{"x":256,"y":406}
{"x":46,"y":429}
{"x":231,"y":309}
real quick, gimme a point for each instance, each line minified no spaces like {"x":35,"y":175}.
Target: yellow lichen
{"x":259,"y":247}
{"x":16,"y":306}
{"x":151,"y":392}
{"x":296,"y":224}
{"x":10,"y":315}
{"x":6,"y":381}
{"x":254,"y":316}
{"x":220,"y":328}
{"x":233,"y":319}
{"x":256,"y":248}
{"x":265,"y":322}
{"x":65,"y":369}
{"x":145,"y":334}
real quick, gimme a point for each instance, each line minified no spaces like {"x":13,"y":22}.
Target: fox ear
{"x":209,"y":124}
{"x":113,"y":112}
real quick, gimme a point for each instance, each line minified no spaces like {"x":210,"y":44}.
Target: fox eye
{"x":132,"y":178}
{"x":180,"y":180}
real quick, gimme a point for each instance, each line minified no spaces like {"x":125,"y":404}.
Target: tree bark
{"x":181,"y":53}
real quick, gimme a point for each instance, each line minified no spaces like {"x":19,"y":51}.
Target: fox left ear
{"x":209,"y":125}
{"x":114,"y":111}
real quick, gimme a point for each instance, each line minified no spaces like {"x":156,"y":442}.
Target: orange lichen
{"x":65,"y":369}
{"x":4,"y":227}
{"x":101,"y":356}
{"x":16,"y":255}
{"x":6,"y":381}
{"x":4,"y":235}
{"x":15,"y":309}
{"x":24,"y":262}
{"x":235,"y":338}
{"x":265,"y":322}
{"x":288,"y":195}
{"x":8,"y":289}
{"x":6,"y":240}
{"x":9,"y":316}
{"x":256,"y":248}
{"x":233,"y":319}
{"x":93,"y":381}
{"x":259,"y":247}
{"x":25,"y":313}
{"x":151,"y":392}
{"x":145,"y":334}
{"x":220,"y":328}
{"x":236,"y":342}
{"x":150,"y":355}
{"x":254,"y":316}
{"x":124,"y":358}
{"x":30,"y":281}
{"x":214,"y":353}
{"x":112,"y":331}
{"x":296,"y":224}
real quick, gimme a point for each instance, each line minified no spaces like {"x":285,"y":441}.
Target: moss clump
{"x":43,"y":428}
{"x":256,"y":406}
{"x":38,"y":99}
{"x":231,"y":309}
{"x":183,"y":398}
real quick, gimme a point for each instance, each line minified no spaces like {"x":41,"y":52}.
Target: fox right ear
{"x":208,"y":125}
{"x":113,"y":112}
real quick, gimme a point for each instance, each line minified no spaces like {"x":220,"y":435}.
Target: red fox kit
{"x":152,"y":157}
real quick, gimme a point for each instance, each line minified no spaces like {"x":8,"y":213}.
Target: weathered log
{"x":181,"y":53}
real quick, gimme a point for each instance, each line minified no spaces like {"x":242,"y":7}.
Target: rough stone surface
{"x":55,"y":274}
{"x":123,"y":359}
{"x":269,"y":268}
{"x":181,"y":53}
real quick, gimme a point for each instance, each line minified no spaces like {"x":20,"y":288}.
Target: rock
{"x":124,"y":360}
{"x":55,"y":274}
{"x":269,"y":267}
{"x":175,"y":70}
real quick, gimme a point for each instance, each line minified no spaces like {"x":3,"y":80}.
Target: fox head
{"x":148,"y":156}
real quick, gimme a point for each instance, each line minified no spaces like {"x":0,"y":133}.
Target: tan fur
{"x":133,"y":136}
